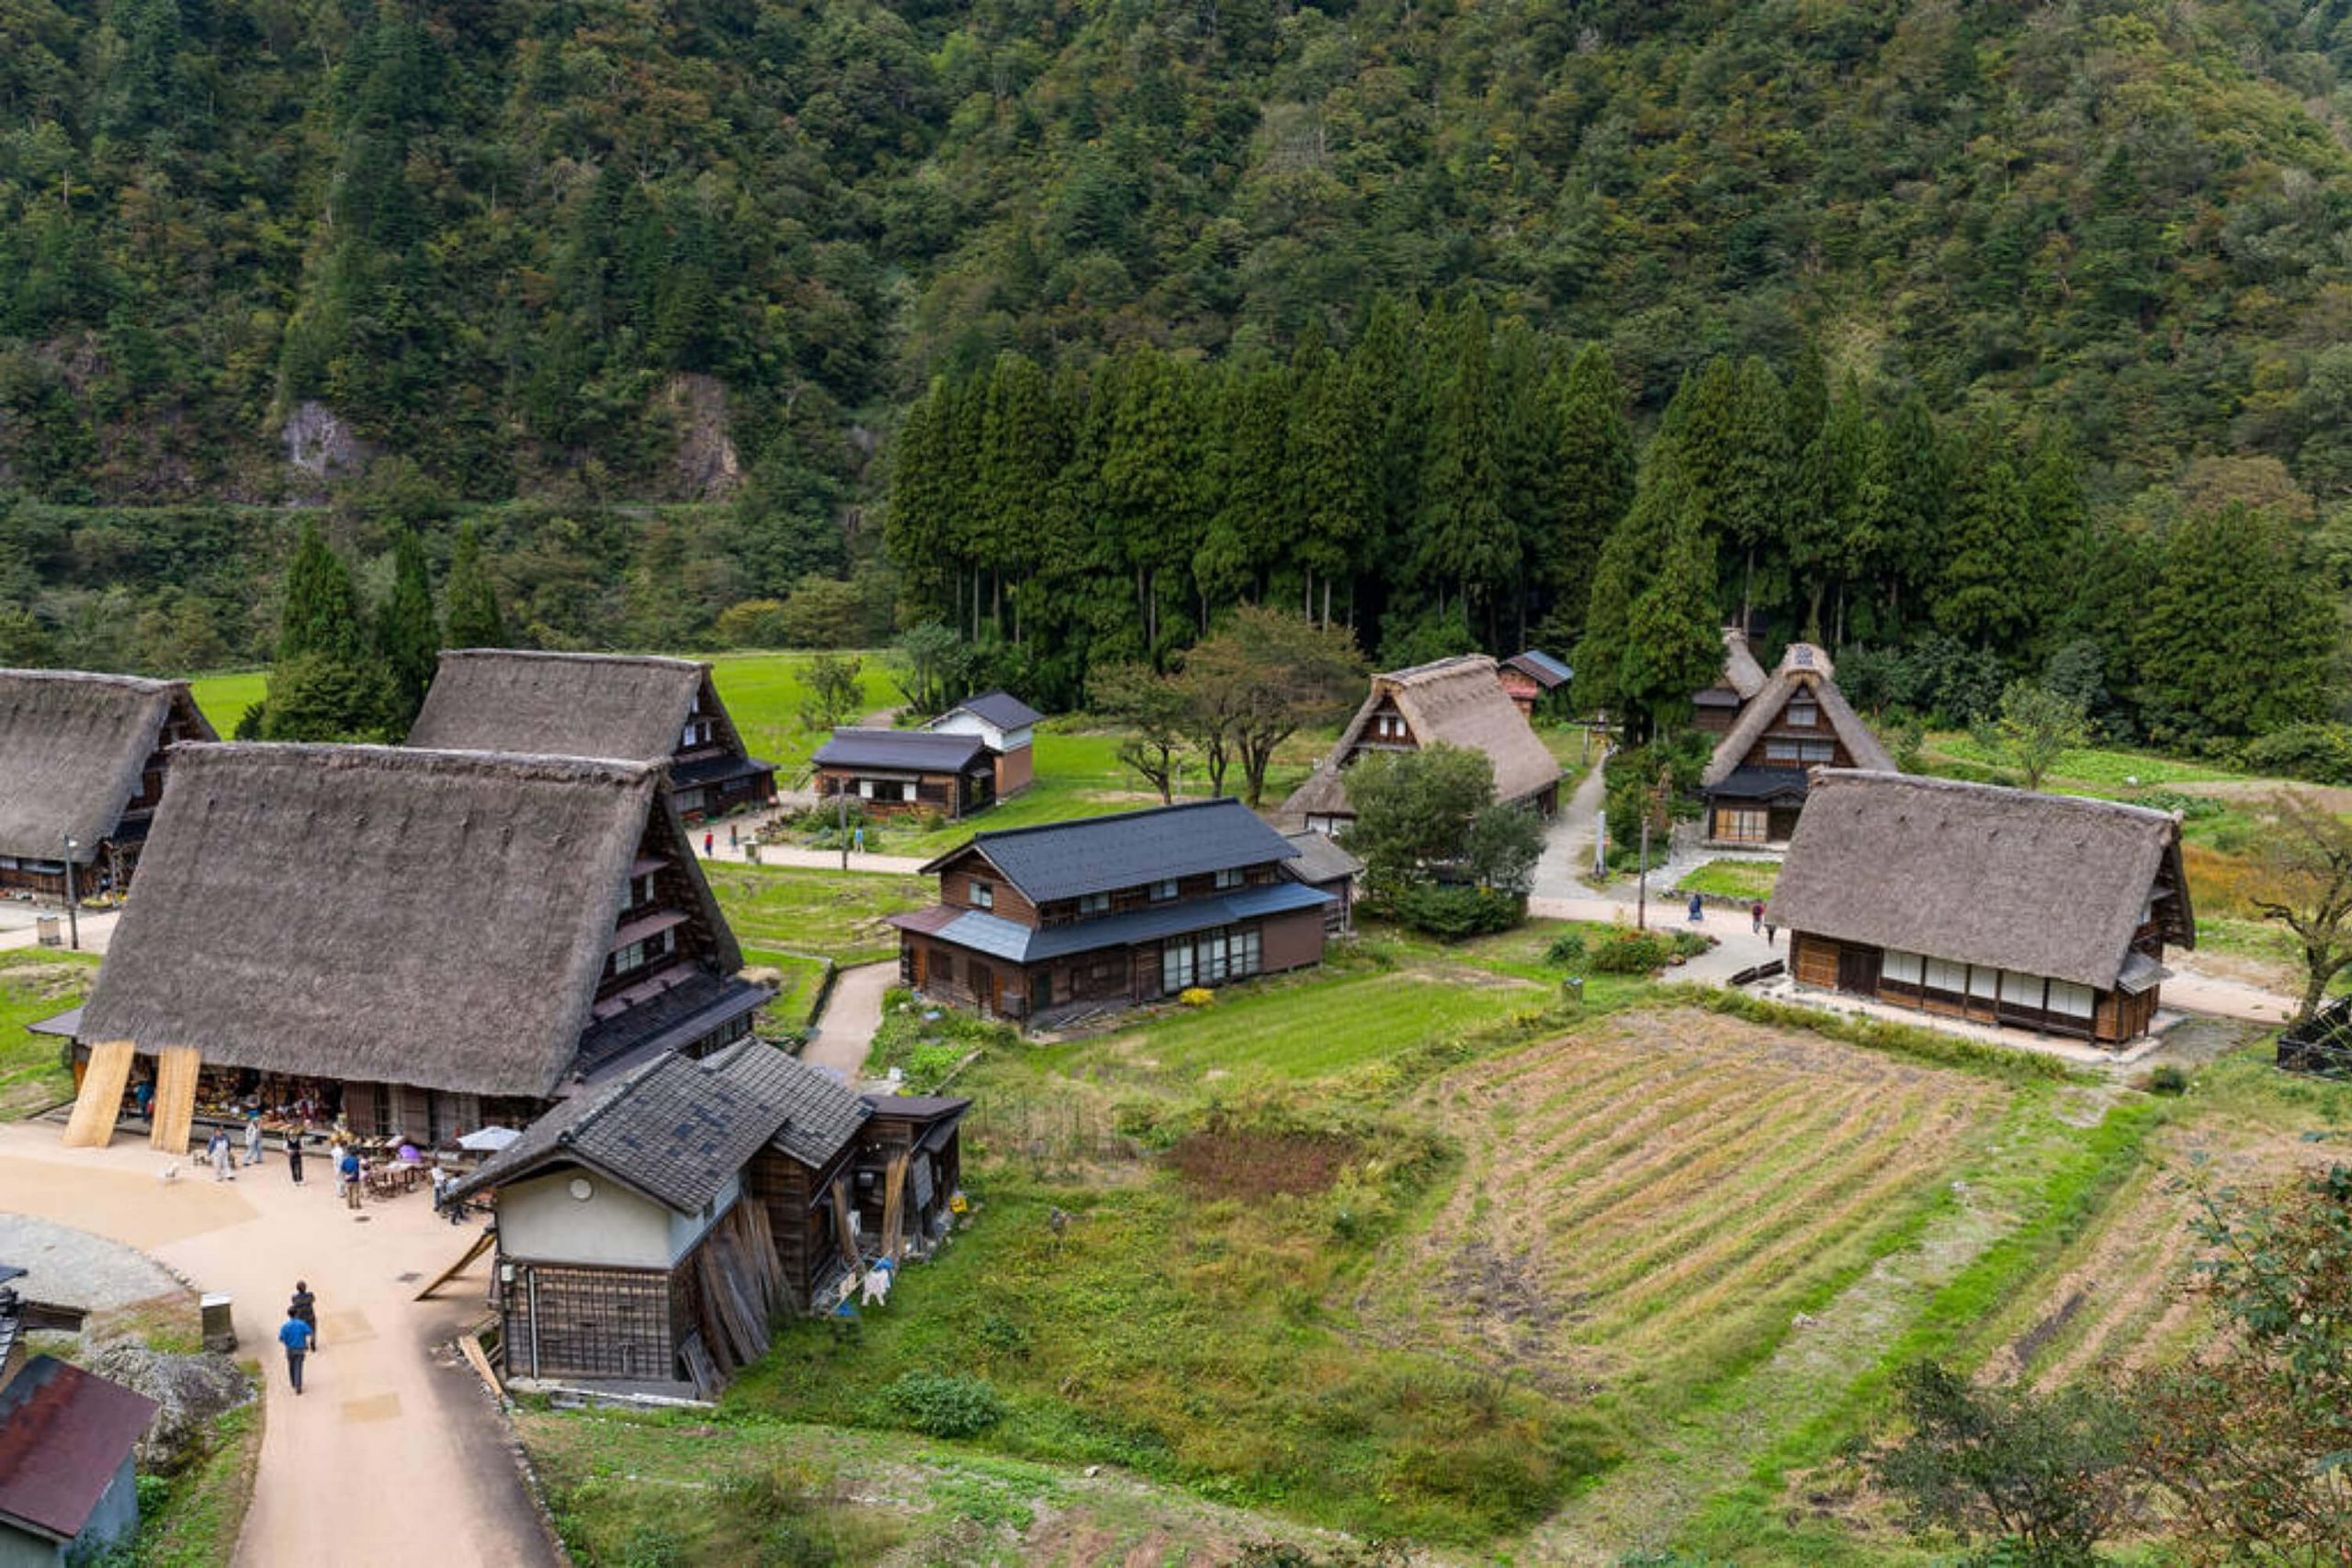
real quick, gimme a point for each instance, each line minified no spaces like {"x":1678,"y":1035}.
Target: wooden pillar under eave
{"x":173,"y":1113}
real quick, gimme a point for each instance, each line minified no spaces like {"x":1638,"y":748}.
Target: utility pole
{"x":1642,"y":895}
{"x":840,"y":805}
{"x":73,"y":917}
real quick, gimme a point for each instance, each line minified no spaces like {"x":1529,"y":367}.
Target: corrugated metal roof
{"x":1001,"y":938}
{"x":917,"y":749}
{"x":1547,"y":670}
{"x":1066,"y":860}
{"x":63,"y":1435}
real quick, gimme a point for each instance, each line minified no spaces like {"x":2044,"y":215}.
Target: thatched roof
{"x":1742,"y":673}
{"x":1802,"y":668}
{"x":363,"y":912}
{"x":72,"y":748}
{"x":1456,"y":702}
{"x":2042,"y":884}
{"x":565,"y":705}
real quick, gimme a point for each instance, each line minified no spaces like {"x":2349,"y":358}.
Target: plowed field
{"x":1646,"y":1200}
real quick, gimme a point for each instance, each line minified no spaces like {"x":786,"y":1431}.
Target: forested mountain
{"x":2060,"y":273}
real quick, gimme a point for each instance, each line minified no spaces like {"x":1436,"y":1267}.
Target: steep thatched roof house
{"x":429,"y":941}
{"x":1718,"y":708}
{"x":596,"y":704}
{"x":83,"y":757}
{"x":1792,"y":723}
{"x":1459,"y":702}
{"x":2044,"y":911}
{"x":650,"y":1228}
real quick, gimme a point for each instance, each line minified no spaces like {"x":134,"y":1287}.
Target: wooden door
{"x":1041,"y":992}
{"x":986,"y":991}
{"x":1858,"y":970}
{"x":915,"y":951}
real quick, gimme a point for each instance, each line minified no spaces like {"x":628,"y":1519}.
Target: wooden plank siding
{"x":1829,"y":965}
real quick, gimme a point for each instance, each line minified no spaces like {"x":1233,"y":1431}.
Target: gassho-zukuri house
{"x":1110,"y":912}
{"x":960,"y":761}
{"x":2042,"y":912}
{"x":423,"y":942}
{"x":597,"y":704}
{"x":651,"y":1229}
{"x":1777,"y":730}
{"x":1459,"y":702}
{"x":83,"y":758}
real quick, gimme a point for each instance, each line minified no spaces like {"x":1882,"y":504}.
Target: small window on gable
{"x":983,"y":895}
{"x":1163,"y":890}
{"x":1802,"y":713}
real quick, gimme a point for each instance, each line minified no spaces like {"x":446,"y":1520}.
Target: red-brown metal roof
{"x":64,"y":1434}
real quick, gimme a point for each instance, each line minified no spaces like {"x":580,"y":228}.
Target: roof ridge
{"x":1431,"y":667}
{"x":998,"y":835}
{"x":150,"y":685}
{"x":414,"y":759}
{"x":2089,"y":803}
{"x":551,"y":655}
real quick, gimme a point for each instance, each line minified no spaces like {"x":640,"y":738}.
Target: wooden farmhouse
{"x":1006,"y":726}
{"x":2042,"y":911}
{"x":1791,"y":722}
{"x":1038,"y":922}
{"x":83,"y":757}
{"x":1528,"y":677}
{"x":1323,"y":866}
{"x":421,"y":941}
{"x":597,"y":704}
{"x":651,"y":1228}
{"x":965,"y":760}
{"x":1460,"y":702}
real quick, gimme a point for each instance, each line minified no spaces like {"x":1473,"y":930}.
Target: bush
{"x":942,"y":1406}
{"x":1566,"y":950}
{"x":2321,"y":754}
{"x":752,"y":623}
{"x":2191,"y":807}
{"x":1630,"y":953}
{"x":1452,"y":911}
{"x":2166,"y":1078}
{"x":1196,"y":996}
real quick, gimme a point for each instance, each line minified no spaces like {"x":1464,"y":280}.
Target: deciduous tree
{"x":2305,"y":861}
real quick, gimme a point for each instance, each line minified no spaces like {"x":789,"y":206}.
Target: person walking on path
{"x":294,"y":1156}
{"x":305,"y":1306}
{"x":217,"y":1149}
{"x":1756,"y":918}
{"x":707,"y":842}
{"x":347,"y":1178}
{"x":1770,"y":933}
{"x":253,"y":1141}
{"x":1698,"y":910}
{"x":296,"y":1335}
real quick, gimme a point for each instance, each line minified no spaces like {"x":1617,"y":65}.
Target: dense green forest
{"x":2064,"y":279}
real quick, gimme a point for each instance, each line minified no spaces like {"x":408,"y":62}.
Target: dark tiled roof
{"x":673,"y":1130}
{"x":1017,"y":944}
{"x":822,"y":1115}
{"x":917,"y":1107}
{"x":911,"y":750}
{"x":665,"y":1021}
{"x":999,"y":709}
{"x":1760,"y":784}
{"x":721,"y":769}
{"x":1064,"y":860}
{"x":63,"y":1435}
{"x":1547,"y":672}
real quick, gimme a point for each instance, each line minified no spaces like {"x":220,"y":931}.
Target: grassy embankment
{"x":34,"y":985}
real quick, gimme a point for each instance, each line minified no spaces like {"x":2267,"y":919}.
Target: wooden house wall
{"x":1858,"y":969}
{"x":563,"y":1320}
{"x":941,"y":793}
{"x":799,"y":1201}
{"x":1007,"y":903}
{"x":1016,"y":770}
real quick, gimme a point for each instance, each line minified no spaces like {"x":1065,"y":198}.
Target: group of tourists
{"x":350,"y":1170}
{"x":299,"y":1332}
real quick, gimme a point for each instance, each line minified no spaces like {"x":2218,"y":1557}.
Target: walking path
{"x":851,"y":1015}
{"x":18,"y":927}
{"x":394,"y":1454}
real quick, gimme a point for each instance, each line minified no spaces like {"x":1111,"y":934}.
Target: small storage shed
{"x":1323,"y":866}
{"x":1005,"y":724}
{"x":68,"y":1441}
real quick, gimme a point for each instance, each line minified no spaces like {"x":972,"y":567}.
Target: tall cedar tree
{"x":1335,"y":470}
{"x":1990,"y":553}
{"x":920,"y":523}
{"x":2234,"y":638}
{"x":1527,"y":394}
{"x":327,"y":683}
{"x":1020,"y":463}
{"x":1596,"y":463}
{"x":1466,"y":548}
{"x":322,"y":610}
{"x":408,"y":635}
{"x":472,"y":619}
{"x":1248,"y":481}
{"x":1151,"y":484}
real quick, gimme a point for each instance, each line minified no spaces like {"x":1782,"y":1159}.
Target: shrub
{"x":2166,"y":1078}
{"x":1630,"y":953}
{"x":1452,"y":911}
{"x":2319,"y":752}
{"x":1196,"y":996}
{"x":1566,"y":950}
{"x":1688,"y":944}
{"x":2191,"y":807}
{"x":948,"y":1406}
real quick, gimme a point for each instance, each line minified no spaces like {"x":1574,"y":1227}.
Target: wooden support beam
{"x":482,"y":1243}
{"x":99,"y":1105}
{"x":173,"y":1112}
{"x":894,"y":1190}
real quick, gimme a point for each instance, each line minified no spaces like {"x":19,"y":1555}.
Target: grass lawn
{"x":1732,"y":878}
{"x":2100,"y":770}
{"x":819,"y":914}
{"x":223,"y":698}
{"x":34,"y":985}
{"x":801,"y":982}
{"x":194,"y":1520}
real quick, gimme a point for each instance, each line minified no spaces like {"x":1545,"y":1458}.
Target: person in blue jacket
{"x":298,"y":1337}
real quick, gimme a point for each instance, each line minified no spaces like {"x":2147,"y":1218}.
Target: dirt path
{"x":2333,"y":797}
{"x":393,"y":1454}
{"x":1566,"y":860}
{"x":851,"y":1017}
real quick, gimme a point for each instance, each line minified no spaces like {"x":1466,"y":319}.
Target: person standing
{"x":1697,"y":910}
{"x":347,"y":1174}
{"x":253,"y":1140}
{"x":305,"y":1306}
{"x":707,"y":842}
{"x":334,"y":1165}
{"x":1755,"y":919}
{"x":217,"y":1149}
{"x":298,"y":1339}
{"x":294,"y":1156}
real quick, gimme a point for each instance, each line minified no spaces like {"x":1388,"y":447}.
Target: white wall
{"x":687,"y":1229}
{"x":963,"y":723}
{"x":540,"y":1220}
